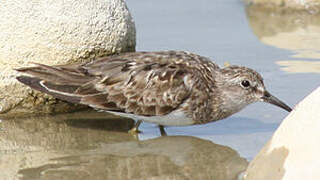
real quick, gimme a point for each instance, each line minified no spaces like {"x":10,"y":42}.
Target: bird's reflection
{"x":84,"y":145}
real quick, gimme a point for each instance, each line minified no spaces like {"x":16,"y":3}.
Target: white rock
{"x":293,"y":151}
{"x":56,"y":32}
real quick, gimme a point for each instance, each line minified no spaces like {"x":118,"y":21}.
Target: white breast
{"x":175,"y":118}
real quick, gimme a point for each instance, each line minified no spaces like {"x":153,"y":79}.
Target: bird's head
{"x":242,"y":86}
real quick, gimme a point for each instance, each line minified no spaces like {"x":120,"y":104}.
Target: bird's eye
{"x":245,"y":83}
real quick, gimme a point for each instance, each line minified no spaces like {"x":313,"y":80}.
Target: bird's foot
{"x":134,"y":131}
{"x":162,"y":131}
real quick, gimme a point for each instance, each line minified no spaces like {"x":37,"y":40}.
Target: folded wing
{"x":128,"y":83}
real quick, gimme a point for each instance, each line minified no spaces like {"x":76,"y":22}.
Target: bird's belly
{"x":175,"y":118}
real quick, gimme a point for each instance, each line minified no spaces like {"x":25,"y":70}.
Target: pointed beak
{"x":269,"y":98}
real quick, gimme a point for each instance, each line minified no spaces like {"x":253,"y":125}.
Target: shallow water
{"x":92,"y":145}
{"x":282,"y":45}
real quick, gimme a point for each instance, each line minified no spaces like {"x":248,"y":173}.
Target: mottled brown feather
{"x":144,"y":83}
{"x":190,"y":86}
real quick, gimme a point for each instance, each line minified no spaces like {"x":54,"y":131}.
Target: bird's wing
{"x":136,"y":83}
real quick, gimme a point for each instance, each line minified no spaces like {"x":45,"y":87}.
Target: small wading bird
{"x":169,"y":88}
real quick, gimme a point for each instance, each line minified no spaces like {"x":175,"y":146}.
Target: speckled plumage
{"x":153,"y":84}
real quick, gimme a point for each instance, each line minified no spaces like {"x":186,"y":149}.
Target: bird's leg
{"x":162,"y":131}
{"x":135,"y":129}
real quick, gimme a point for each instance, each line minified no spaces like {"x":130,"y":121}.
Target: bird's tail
{"x":59,"y":81}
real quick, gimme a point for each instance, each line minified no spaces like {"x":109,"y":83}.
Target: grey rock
{"x":56,"y":32}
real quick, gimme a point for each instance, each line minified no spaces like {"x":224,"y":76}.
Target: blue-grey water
{"x":220,"y":29}
{"x":283,"y":45}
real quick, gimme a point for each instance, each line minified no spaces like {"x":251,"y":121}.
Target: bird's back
{"x":141,"y":83}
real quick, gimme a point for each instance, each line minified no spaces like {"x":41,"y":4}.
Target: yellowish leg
{"x":135,"y":129}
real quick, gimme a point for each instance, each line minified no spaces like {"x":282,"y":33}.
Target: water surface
{"x":92,"y":145}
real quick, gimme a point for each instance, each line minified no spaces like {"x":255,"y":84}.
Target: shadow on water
{"x":101,"y":121}
{"x":92,"y":145}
